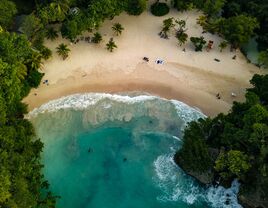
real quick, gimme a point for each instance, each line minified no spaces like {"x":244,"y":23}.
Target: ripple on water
{"x":105,"y":150}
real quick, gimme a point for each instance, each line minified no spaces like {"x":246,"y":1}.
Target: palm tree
{"x":117,"y":28}
{"x":61,"y":6}
{"x":198,"y":42}
{"x":63,"y":50}
{"x":168,"y":23}
{"x":51,"y":33}
{"x":164,"y":32}
{"x":111,"y":45}
{"x":182,"y":38}
{"x":34,"y":61}
{"x":97,"y":38}
{"x":22,"y":71}
{"x":223,"y":45}
{"x":202,"y":20}
{"x":181,"y":24}
{"x":167,"y":26}
{"x":46,"y":53}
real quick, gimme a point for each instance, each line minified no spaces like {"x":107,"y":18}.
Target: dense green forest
{"x":233,"y":145}
{"x":22,"y":184}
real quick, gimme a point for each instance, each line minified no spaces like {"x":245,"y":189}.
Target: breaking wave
{"x":151,"y":115}
{"x":177,"y":186}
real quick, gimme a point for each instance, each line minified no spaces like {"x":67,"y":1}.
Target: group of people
{"x":219,"y":96}
{"x":157,"y":61}
{"x":46,"y":82}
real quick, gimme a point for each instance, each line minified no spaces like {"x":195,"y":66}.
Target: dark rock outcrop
{"x":204,"y":178}
{"x":252,"y":199}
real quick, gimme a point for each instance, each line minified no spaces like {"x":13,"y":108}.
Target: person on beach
{"x":146,"y":59}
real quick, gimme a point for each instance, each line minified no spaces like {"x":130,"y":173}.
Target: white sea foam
{"x":105,"y":101}
{"x":174,"y":183}
{"x":224,"y":198}
{"x":186,"y":113}
{"x":177,"y":186}
{"x":82,"y":101}
{"x":177,"y":138}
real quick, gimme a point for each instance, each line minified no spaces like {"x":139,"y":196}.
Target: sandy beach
{"x":191,"y":77}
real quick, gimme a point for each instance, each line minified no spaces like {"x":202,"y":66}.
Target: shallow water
{"x":116,"y":151}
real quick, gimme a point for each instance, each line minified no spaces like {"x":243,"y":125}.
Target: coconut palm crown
{"x":63,"y":50}
{"x":111,"y":45}
{"x":117,"y":28}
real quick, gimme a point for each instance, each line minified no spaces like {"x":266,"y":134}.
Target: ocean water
{"x":107,"y":151}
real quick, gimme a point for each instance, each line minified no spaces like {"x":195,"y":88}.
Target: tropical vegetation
{"x":22,"y":183}
{"x":7,"y":11}
{"x":51,"y":33}
{"x":223,"y":45}
{"x":117,"y":28}
{"x":111,"y":45}
{"x":168,"y":25}
{"x":237,"y":30}
{"x":233,"y":145}
{"x":236,"y":20}
{"x":181,"y":34}
{"x":228,"y":146}
{"x":135,"y":7}
{"x":198,"y":42}
{"x":263,"y":59}
{"x":97,"y":37}
{"x":159,"y":8}
{"x":63,"y":51}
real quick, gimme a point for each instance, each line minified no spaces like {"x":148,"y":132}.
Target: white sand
{"x":192,"y":77}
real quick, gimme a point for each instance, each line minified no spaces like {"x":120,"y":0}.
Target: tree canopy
{"x":111,"y":45}
{"x":22,"y":183}
{"x":63,"y":51}
{"x":233,"y":145}
{"x":7,"y":11}
{"x":198,"y":42}
{"x":239,"y":19}
{"x":135,"y":7}
{"x":237,"y":30}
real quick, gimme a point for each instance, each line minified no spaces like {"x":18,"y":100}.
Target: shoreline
{"x":190,"y":77}
{"x":143,"y":79}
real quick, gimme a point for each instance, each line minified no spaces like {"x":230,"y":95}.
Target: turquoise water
{"x":104,"y":151}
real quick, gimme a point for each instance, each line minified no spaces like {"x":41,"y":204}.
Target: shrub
{"x":46,"y":53}
{"x":34,"y":78}
{"x":159,"y":9}
{"x":198,"y":42}
{"x":136,"y":7}
{"x":97,"y":37}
